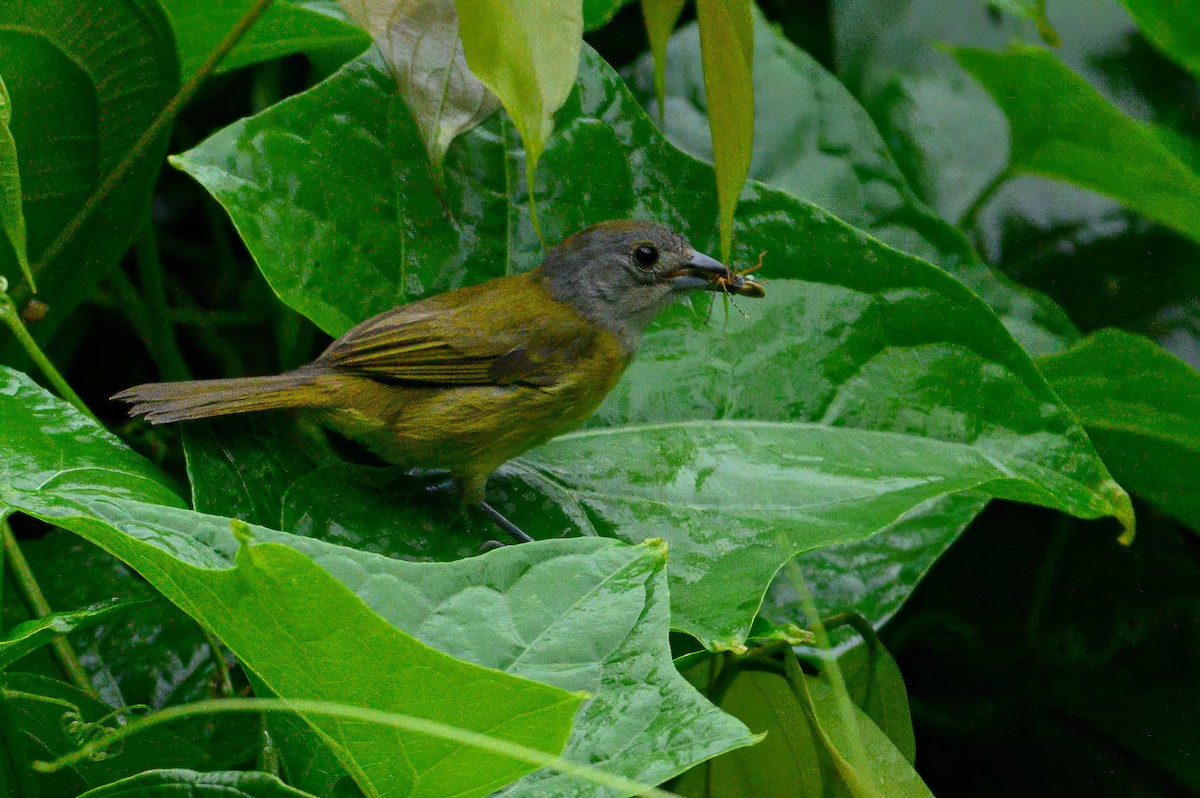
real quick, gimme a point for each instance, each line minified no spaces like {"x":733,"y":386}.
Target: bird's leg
{"x":472,"y":494}
{"x":502,"y":522}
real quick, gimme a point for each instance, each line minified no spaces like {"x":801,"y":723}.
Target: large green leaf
{"x":580,"y":614}
{"x":898,"y":350}
{"x":812,"y":139}
{"x":1141,"y":407}
{"x":1173,"y":26}
{"x":1063,"y":128}
{"x":85,"y":81}
{"x":287,"y":27}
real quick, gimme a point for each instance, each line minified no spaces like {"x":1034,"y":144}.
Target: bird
{"x":466,"y":380}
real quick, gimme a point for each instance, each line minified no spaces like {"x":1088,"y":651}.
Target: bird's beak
{"x":703,"y":273}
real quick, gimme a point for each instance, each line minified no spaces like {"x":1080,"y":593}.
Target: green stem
{"x":161,"y":344}
{"x":11,"y":319}
{"x":328,"y":709}
{"x":35,"y":600}
{"x":163,"y":121}
{"x":967,"y":220}
{"x":829,"y":663}
{"x":214,"y":644}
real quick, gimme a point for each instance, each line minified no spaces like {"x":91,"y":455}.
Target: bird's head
{"x":620,"y":274}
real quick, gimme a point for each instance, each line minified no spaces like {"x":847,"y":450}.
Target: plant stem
{"x":162,"y":344}
{"x":163,"y":121}
{"x":967,"y":220}
{"x":35,"y":600}
{"x":11,"y":319}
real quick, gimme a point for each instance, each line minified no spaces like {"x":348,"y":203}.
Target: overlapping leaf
{"x":867,"y":338}
{"x":1173,"y":26}
{"x":531,"y":610}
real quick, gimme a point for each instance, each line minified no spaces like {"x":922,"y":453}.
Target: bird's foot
{"x":502,"y":522}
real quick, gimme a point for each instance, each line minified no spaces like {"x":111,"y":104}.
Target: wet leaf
{"x":421,"y":43}
{"x":193,"y":784}
{"x":1064,"y":129}
{"x":727,"y":52}
{"x":85,"y":83}
{"x":812,"y":139}
{"x":884,"y":350}
{"x":1141,"y":407}
{"x":285,"y":28}
{"x":527,"y":53}
{"x":579,"y":614}
{"x":12,"y":214}
{"x":1172,"y":26}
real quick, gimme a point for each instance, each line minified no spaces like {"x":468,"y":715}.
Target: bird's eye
{"x":646,"y":256}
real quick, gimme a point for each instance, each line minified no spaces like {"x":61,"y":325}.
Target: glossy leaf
{"x":285,"y":28}
{"x":527,"y":53}
{"x":12,"y":213}
{"x":85,"y":83}
{"x":727,"y":51}
{"x":812,"y":139}
{"x":31,"y":635}
{"x":33,"y":728}
{"x":1173,"y":27}
{"x":850,"y":349}
{"x":421,"y":43}
{"x":1141,"y":407}
{"x":579,"y":614}
{"x":193,"y":784}
{"x":1063,"y":128}
{"x":661,"y":17}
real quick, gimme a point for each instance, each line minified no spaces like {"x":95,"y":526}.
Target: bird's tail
{"x":165,"y":402}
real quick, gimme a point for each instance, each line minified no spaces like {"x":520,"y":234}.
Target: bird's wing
{"x":467,"y":337}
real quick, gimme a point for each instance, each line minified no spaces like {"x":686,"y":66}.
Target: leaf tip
{"x":241,"y":530}
{"x":658,"y":546}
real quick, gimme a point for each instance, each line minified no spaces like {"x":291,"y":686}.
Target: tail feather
{"x":165,"y":402}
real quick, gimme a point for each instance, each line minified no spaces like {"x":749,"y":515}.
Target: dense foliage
{"x":883,"y":515}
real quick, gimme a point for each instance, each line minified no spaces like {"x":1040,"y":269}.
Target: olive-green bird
{"x":468,"y":379}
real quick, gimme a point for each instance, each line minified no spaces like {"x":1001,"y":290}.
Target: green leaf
{"x":865,"y":759}
{"x":1173,"y":27}
{"x":420,"y":42}
{"x":812,"y":139}
{"x":33,"y":728}
{"x":899,"y":350}
{"x":193,"y":784}
{"x":527,"y":53}
{"x":727,"y":51}
{"x":31,"y":635}
{"x":285,"y":28}
{"x":1034,"y":10}
{"x":12,"y":213}
{"x":580,"y":614}
{"x":875,"y":685}
{"x":1141,"y":407}
{"x":85,"y":83}
{"x":1064,"y":129}
{"x":784,"y":765}
{"x":661,"y":16}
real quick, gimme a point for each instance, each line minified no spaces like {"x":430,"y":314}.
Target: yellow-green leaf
{"x":727,"y":52}
{"x":421,"y":44}
{"x":527,"y":53}
{"x":660,"y":16}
